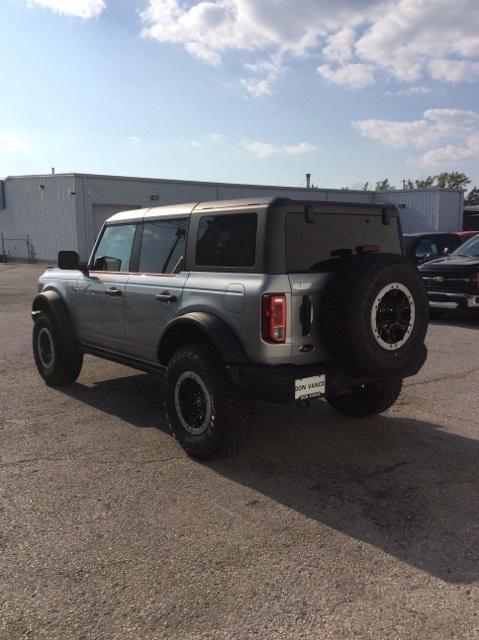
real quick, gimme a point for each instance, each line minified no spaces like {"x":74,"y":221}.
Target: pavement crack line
{"x":14,"y":463}
{"x":452,"y":376}
{"x":385,"y":470}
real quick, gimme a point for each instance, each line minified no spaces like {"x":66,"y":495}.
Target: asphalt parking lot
{"x":322,"y":528}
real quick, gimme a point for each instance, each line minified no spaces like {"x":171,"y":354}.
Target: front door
{"x":153,"y":295}
{"x":100,"y":293}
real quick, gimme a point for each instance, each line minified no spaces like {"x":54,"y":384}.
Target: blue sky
{"x":256,"y":91}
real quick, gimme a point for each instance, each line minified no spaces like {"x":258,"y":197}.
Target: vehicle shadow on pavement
{"x":460,"y":321}
{"x":405,"y":486}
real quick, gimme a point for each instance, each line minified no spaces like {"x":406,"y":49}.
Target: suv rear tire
{"x":58,"y":362}
{"x":208,"y":415}
{"x":367,"y":400}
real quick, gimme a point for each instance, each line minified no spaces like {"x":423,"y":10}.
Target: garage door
{"x":103,"y":211}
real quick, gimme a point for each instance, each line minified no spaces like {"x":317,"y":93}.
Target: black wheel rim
{"x":193,"y":403}
{"x":393,"y":315}
{"x":46,"y":350}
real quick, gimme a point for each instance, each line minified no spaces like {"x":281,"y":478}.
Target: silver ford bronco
{"x":275,"y":299}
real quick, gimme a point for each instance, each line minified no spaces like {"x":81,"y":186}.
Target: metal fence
{"x":16,"y":249}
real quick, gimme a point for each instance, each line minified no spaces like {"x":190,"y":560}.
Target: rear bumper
{"x":278,"y":383}
{"x":453,"y":301}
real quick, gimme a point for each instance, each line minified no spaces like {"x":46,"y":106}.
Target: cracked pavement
{"x":322,"y":528}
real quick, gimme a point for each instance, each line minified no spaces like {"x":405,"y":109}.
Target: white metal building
{"x":42,"y":214}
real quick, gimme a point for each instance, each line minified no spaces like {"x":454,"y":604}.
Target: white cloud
{"x":340,"y":46}
{"x":454,"y":70}
{"x":458,"y":127}
{"x":352,"y":76}
{"x":451,"y":154}
{"x":415,"y":90}
{"x":9,"y":142}
{"x":194,"y":143}
{"x":407,"y":40}
{"x":265,"y":74}
{"x":134,"y":139}
{"x":265,"y":149}
{"x":77,"y":8}
{"x":216,"y":137}
{"x":410,"y":33}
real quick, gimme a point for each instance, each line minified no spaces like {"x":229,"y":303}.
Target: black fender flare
{"x":51,"y":302}
{"x":197,"y":325}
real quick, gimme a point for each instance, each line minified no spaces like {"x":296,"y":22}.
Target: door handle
{"x":113,"y":292}
{"x":166,"y":296}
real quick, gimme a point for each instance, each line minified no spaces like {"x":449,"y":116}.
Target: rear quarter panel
{"x":235,"y":298}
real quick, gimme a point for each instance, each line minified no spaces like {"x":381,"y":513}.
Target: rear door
{"x":153,"y":295}
{"x":309,"y":243}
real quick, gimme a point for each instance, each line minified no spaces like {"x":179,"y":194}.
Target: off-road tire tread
{"x":345,"y":302}
{"x":68,"y":359}
{"x":236,"y":404}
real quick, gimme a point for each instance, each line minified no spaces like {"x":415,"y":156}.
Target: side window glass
{"x":426,"y":247}
{"x":162,"y":245}
{"x":448,"y":242}
{"x":227,"y":240}
{"x":114,"y":251}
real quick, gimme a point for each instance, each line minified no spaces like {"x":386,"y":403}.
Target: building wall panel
{"x":42,"y":208}
{"x":68,"y":211}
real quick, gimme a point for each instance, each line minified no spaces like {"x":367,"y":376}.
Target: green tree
{"x":472,"y":197}
{"x":425,"y":183}
{"x":452,"y":180}
{"x":383,"y":185}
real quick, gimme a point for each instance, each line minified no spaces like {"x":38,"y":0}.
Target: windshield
{"x":469,"y":248}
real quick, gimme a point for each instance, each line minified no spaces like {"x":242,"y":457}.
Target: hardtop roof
{"x":240,"y":203}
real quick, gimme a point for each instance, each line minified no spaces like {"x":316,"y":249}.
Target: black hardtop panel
{"x":288,"y":243}
{"x":286,"y":205}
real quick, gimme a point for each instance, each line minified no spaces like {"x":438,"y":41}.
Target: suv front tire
{"x":58,"y":362}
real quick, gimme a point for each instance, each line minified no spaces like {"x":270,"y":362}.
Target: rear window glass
{"x":308,"y":244}
{"x":227,"y":240}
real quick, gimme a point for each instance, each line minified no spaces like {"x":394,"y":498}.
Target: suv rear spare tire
{"x":375,"y":315}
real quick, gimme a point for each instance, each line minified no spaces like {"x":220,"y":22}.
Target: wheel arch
{"x":198,"y":326}
{"x":51,"y":302}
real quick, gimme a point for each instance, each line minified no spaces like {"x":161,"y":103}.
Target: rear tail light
{"x":273,"y":318}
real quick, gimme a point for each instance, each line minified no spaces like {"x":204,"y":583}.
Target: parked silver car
{"x":269,"y":298}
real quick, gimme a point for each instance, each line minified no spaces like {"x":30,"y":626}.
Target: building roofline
{"x":44,"y":176}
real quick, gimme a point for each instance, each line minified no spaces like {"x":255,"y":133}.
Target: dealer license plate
{"x":305,"y":388}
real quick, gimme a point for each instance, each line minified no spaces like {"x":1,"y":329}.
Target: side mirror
{"x":68,"y":260}
{"x":446,"y":251}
